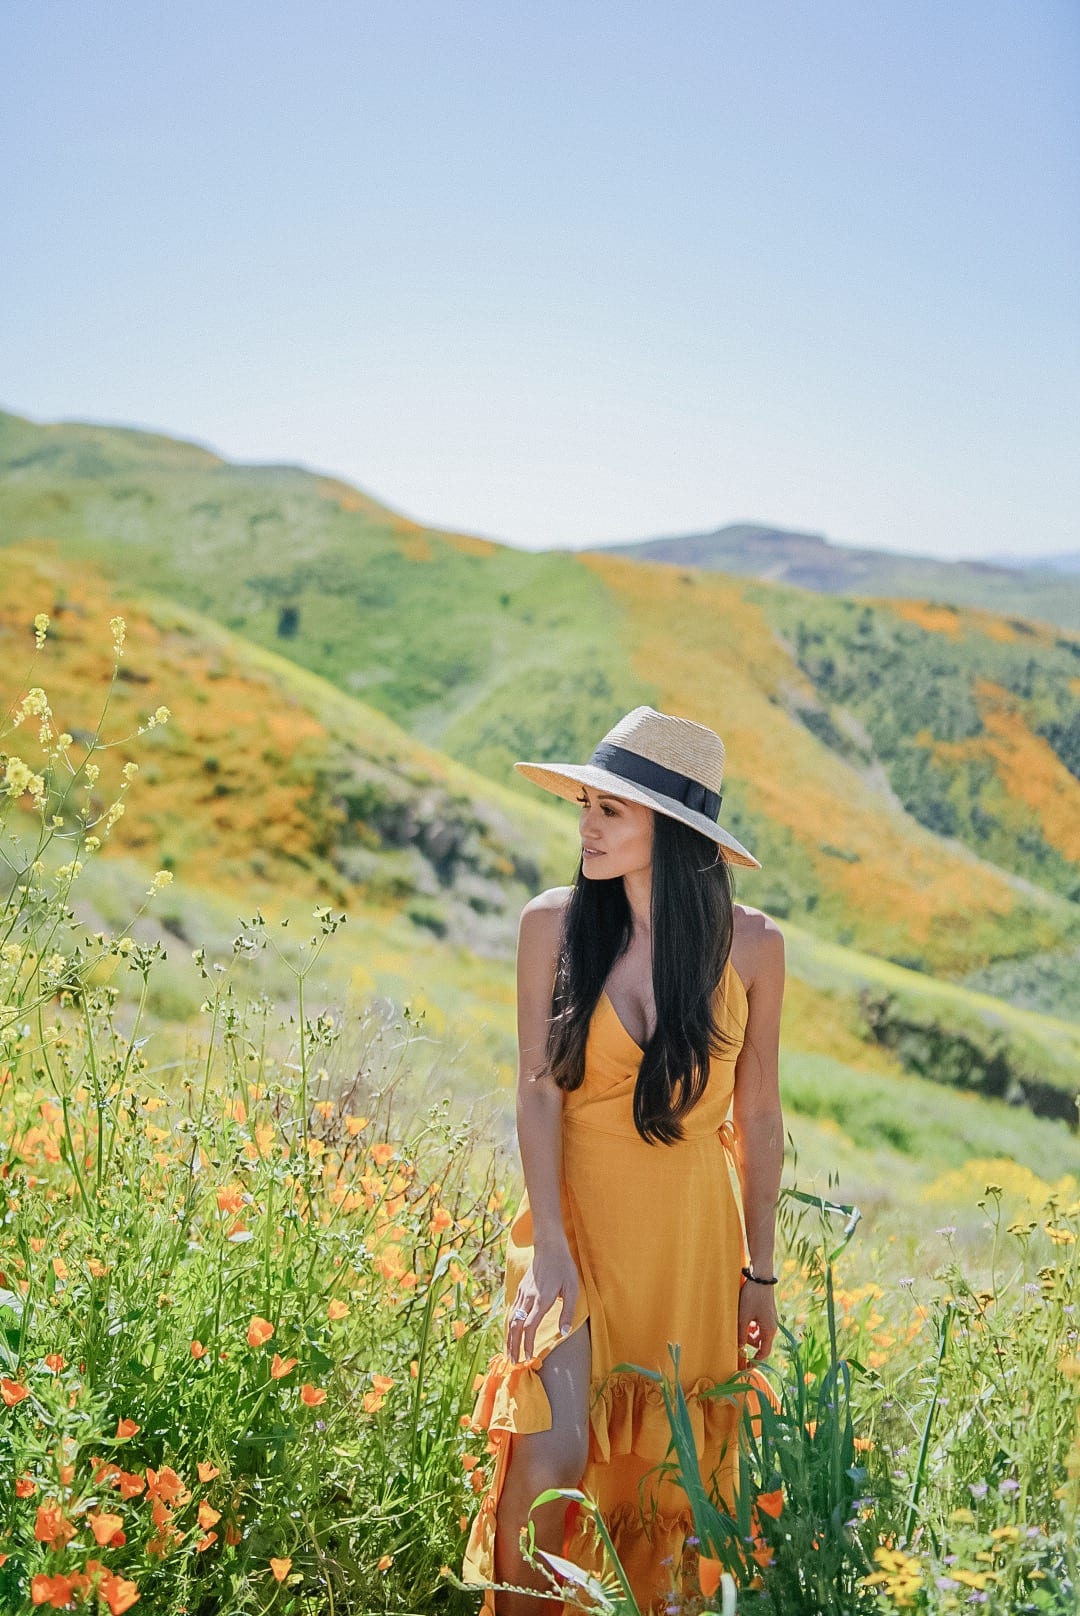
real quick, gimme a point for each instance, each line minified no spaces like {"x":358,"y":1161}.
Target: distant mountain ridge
{"x":1043,"y":589}
{"x":1062,"y":561}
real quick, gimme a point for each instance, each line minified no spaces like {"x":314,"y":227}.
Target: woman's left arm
{"x":756,"y":1113}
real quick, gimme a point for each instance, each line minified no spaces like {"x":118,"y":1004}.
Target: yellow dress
{"x":657,"y":1235}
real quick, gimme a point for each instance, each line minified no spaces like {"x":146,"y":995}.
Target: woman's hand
{"x":758,"y":1324}
{"x":551,"y":1274}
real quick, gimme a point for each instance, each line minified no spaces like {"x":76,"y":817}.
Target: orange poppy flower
{"x":46,"y":1590}
{"x":772,"y":1503}
{"x":118,"y":1592}
{"x":282,"y":1366}
{"x":165,"y":1484}
{"x":709,"y":1574}
{"x":281,"y":1569}
{"x":105,"y":1527}
{"x":259,"y":1331}
{"x":51,"y":1525}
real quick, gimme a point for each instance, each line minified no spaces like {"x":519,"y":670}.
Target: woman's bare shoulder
{"x":539,"y":934}
{"x":541,"y":918}
{"x":757,"y":948}
{"x":750,"y":922}
{"x":554,"y":898}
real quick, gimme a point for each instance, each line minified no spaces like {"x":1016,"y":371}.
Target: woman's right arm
{"x":553,"y":1272}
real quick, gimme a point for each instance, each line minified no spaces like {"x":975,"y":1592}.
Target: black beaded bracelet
{"x":758,"y":1279}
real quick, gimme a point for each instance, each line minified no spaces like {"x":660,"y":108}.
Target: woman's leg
{"x":539,"y":1459}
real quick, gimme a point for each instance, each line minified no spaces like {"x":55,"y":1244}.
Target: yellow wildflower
{"x":41,"y":623}
{"x":973,"y":1579}
{"x":34,"y":704}
{"x":119,"y":631}
{"x":20,"y":778}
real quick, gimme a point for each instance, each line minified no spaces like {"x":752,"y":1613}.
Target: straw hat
{"x":670,"y":764}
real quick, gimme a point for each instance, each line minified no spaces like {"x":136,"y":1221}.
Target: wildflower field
{"x":247,"y":1294}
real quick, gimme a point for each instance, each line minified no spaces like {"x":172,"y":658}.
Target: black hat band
{"x":655,"y":777}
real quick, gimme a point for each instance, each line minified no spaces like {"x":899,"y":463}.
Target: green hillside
{"x":974,"y":719}
{"x":265,"y":773}
{"x":936,"y":846}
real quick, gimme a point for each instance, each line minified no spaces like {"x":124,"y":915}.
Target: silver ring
{"x":519,"y":1313}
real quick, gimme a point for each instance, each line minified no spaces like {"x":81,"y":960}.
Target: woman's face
{"x":616,"y":835}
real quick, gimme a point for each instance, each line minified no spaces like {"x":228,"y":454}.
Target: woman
{"x":648,"y":1004}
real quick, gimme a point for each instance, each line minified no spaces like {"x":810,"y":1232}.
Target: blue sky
{"x":566,"y":273}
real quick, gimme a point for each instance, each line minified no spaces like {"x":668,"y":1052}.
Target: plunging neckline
{"x":604,"y":994}
{"x":618,"y":1021}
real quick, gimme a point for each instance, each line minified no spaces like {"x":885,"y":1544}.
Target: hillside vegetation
{"x":265,"y":777}
{"x":268,"y":787}
{"x":491,"y":654}
{"x":974,"y":719}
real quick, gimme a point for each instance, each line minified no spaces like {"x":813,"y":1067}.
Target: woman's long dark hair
{"x":692,"y":929}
